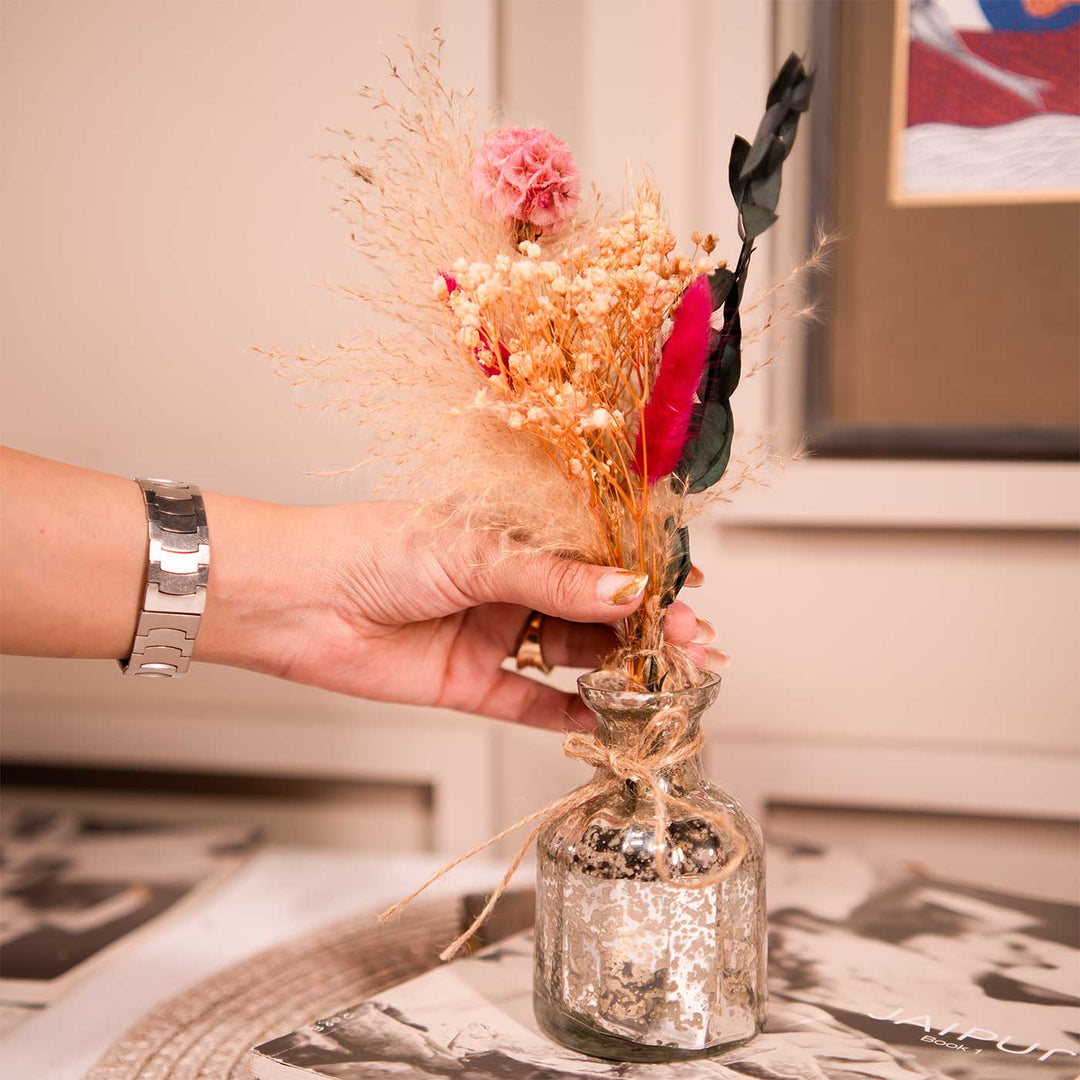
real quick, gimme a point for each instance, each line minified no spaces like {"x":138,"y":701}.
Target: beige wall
{"x":162,"y":213}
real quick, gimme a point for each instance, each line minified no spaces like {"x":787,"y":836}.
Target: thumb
{"x":563,"y":588}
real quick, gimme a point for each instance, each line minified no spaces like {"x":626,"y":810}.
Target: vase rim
{"x":597,"y":688}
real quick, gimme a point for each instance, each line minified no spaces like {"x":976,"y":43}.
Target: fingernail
{"x":705,"y":634}
{"x":715,"y":660}
{"x":695,"y":579}
{"x":621,"y":586}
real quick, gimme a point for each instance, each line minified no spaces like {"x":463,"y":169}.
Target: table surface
{"x":875,"y":937}
{"x":281,"y":892}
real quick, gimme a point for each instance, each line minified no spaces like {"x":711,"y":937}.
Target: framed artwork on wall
{"x":951,"y":325}
{"x":985,"y":102}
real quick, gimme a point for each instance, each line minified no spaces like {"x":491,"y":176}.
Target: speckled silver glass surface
{"x":627,"y":966}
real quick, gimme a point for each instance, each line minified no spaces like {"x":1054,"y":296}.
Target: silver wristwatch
{"x":176,"y":577}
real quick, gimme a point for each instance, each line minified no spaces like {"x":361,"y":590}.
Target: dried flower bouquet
{"x":540,"y":366}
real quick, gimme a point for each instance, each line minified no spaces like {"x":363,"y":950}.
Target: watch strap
{"x":177,"y":572}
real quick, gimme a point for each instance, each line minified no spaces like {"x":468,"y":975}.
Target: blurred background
{"x":900,"y":603}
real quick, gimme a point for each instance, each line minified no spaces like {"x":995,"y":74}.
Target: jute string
{"x":663,"y":742}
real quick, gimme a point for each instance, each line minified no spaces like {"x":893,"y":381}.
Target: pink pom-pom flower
{"x":528,"y":175}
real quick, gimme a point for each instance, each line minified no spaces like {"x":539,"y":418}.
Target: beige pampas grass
{"x":504,"y":366}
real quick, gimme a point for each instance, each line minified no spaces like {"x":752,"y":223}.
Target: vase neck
{"x":623,"y":713}
{"x":621,"y":732}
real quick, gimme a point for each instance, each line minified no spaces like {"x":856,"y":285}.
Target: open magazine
{"x":913,"y":979}
{"x":76,"y":886}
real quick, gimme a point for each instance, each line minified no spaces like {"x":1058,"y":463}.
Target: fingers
{"x":526,"y":701}
{"x":708,"y":659}
{"x":680,"y":623}
{"x":565,"y":588}
{"x":565,"y":644}
{"x":583,"y":645}
{"x":683,"y":627}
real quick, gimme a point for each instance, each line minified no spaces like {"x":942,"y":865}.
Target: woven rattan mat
{"x":205,"y":1033}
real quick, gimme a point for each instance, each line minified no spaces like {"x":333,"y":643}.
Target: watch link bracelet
{"x":176,"y":577}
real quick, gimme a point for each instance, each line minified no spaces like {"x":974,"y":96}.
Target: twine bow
{"x":662,"y":743}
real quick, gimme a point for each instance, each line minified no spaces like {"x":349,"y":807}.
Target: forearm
{"x":73,"y":547}
{"x":368,"y":599}
{"x":73,"y":552}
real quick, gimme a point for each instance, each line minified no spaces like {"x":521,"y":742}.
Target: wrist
{"x":262,"y":583}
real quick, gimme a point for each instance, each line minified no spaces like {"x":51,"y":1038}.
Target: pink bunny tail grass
{"x":665,"y":420}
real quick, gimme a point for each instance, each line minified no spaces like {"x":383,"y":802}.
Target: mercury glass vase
{"x":628,"y":966}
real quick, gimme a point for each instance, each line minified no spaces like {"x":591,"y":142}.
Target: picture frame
{"x":985,"y":102}
{"x":826,"y":434}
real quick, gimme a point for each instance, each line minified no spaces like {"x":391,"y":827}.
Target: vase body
{"x":628,"y":966}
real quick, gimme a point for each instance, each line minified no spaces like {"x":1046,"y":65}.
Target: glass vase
{"x":629,"y":966}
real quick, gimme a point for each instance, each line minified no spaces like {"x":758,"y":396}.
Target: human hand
{"x":364,"y":600}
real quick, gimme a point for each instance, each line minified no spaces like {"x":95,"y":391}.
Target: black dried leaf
{"x":720,"y":284}
{"x":678,"y":567}
{"x":740,"y":150}
{"x":652,"y":674}
{"x":713,"y":446}
{"x":754,"y":173}
{"x":708,"y":450}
